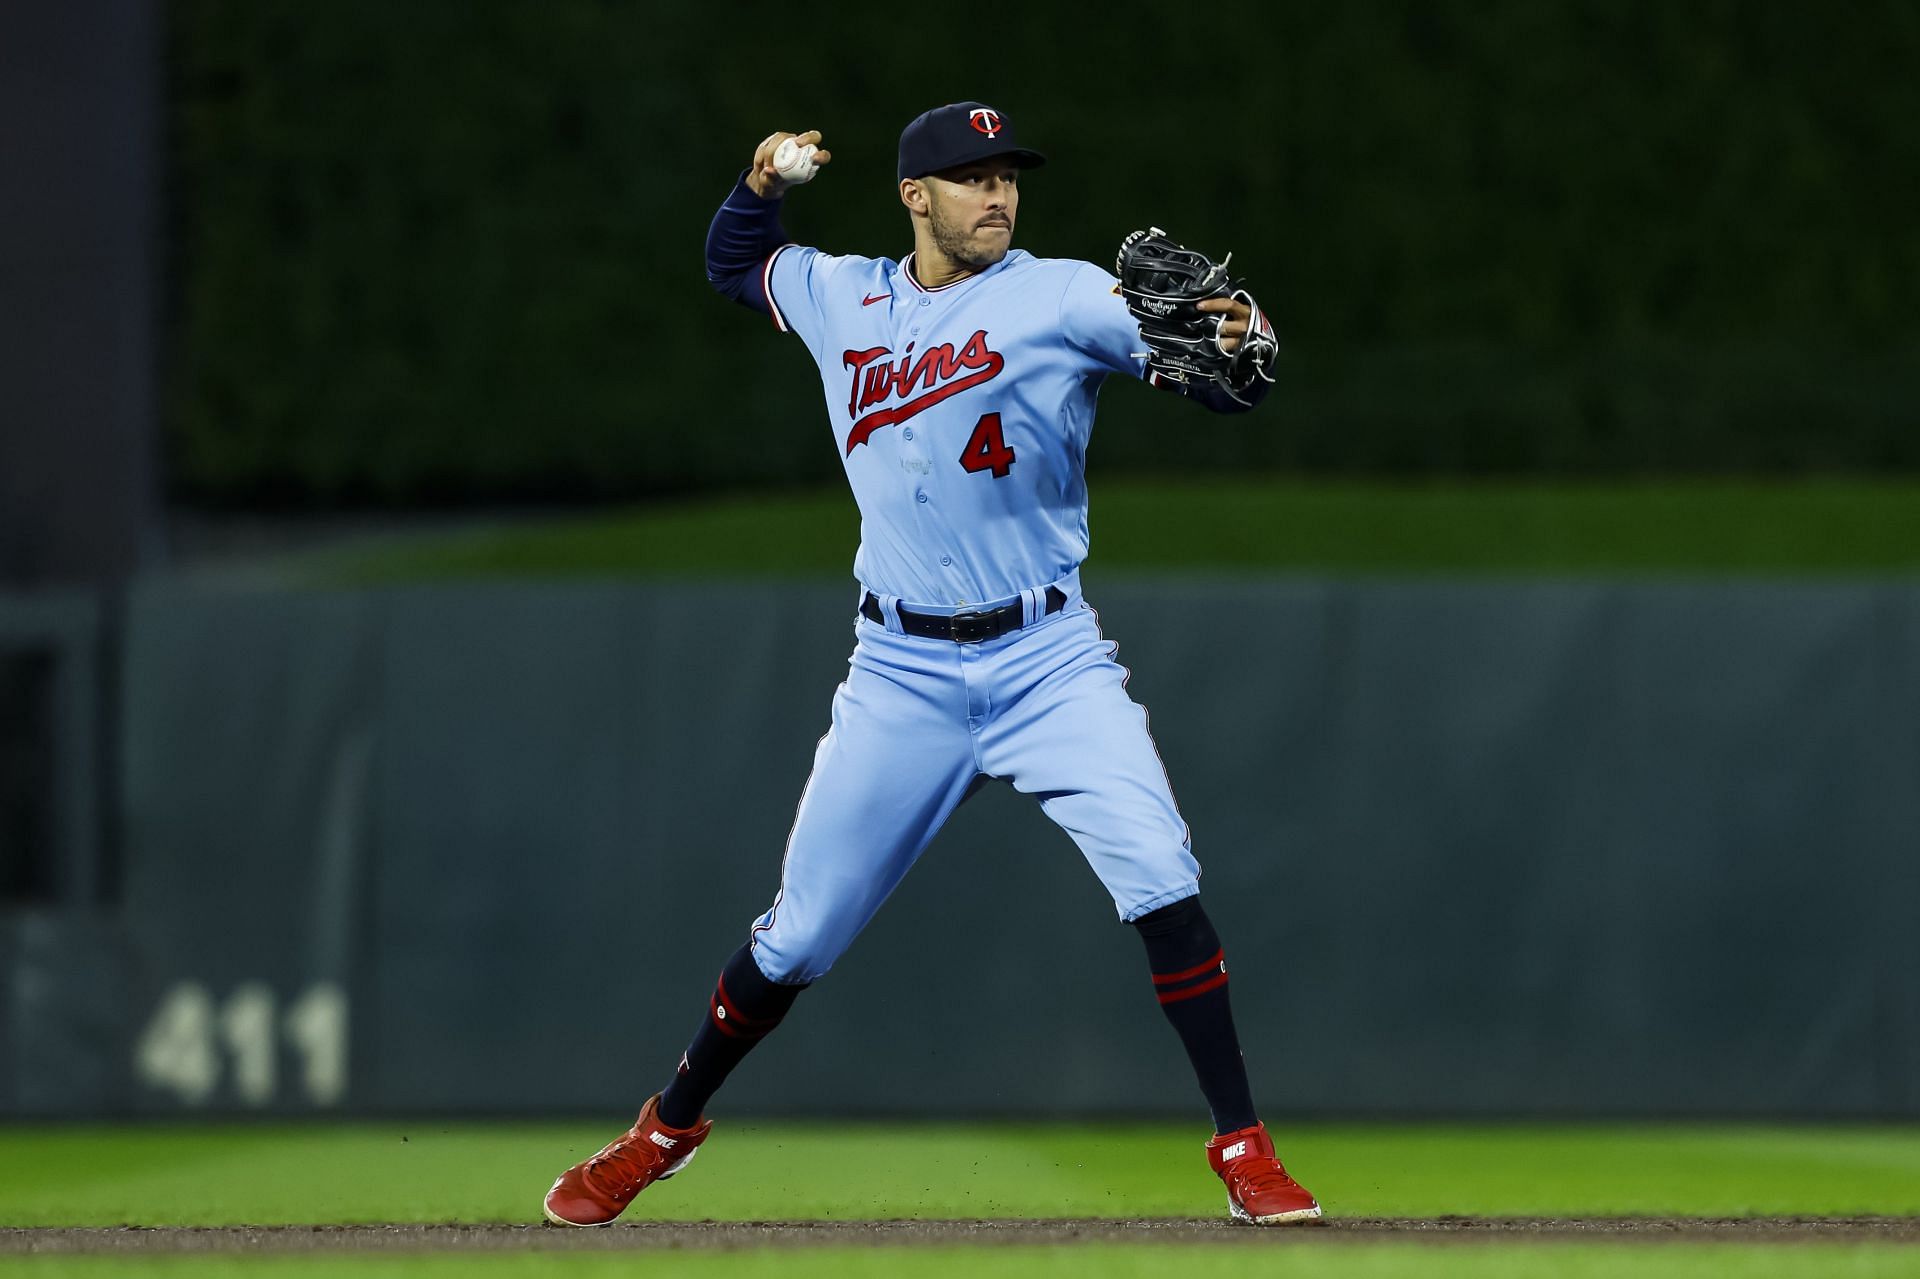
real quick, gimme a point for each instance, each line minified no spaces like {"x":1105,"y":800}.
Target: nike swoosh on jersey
{"x":878,"y":297}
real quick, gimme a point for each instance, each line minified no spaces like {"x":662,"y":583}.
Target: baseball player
{"x":959,"y":386}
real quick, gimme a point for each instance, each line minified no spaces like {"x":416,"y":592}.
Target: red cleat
{"x":1259,"y":1191}
{"x":595,"y":1192}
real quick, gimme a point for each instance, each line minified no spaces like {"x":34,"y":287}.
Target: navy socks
{"x":1190,"y":977}
{"x":745,"y":1007}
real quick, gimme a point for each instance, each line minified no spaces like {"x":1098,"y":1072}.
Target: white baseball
{"x":794,"y":164}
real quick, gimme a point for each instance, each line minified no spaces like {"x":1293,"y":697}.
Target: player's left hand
{"x":1234,"y":326}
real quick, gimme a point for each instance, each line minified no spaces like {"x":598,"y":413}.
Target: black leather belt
{"x":961,"y":628}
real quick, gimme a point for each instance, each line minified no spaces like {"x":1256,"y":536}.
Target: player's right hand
{"x":763,"y":179}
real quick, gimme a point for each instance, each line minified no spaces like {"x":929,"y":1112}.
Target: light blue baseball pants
{"x":920,"y":722}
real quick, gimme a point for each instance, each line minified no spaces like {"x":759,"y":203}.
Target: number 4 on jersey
{"x":987,"y":449}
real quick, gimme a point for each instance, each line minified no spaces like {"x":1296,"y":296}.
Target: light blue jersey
{"x":961,"y":413}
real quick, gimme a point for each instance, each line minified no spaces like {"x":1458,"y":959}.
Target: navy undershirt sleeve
{"x":744,"y":231}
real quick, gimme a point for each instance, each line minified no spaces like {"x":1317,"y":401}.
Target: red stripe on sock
{"x":1175,"y":996}
{"x":1168,"y":979}
{"x":739,"y":1018}
{"x":728,"y":1018}
{"x":723,"y":1016}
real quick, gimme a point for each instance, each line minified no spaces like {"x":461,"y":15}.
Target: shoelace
{"x":1256,"y":1173}
{"x":620,"y":1170}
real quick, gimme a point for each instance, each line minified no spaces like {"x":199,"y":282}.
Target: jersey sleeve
{"x":1095,"y":321}
{"x":798,"y":280}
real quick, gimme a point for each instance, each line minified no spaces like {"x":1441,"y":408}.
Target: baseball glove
{"x":1163,"y":284}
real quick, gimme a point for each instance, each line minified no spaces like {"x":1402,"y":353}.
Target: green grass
{"x":163,"y":1175}
{"x":1268,"y":525}
{"x":1342,"y":1261}
{"x":474,"y":1172}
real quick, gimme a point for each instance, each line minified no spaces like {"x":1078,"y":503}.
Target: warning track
{"x":734,"y":1235}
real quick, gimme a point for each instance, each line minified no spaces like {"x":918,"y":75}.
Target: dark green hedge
{"x":445,"y":252}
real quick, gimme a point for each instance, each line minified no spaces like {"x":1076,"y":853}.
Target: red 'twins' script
{"x":919,"y":383}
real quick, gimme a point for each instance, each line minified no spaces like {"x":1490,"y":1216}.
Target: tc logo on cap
{"x":984,"y":119}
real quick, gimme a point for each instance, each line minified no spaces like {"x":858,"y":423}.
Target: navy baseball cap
{"x":959,"y":133}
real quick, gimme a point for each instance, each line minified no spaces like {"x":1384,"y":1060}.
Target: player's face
{"x":970,"y":211}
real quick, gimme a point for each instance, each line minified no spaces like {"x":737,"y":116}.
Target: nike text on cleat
{"x":1259,"y":1191}
{"x":593,"y":1193}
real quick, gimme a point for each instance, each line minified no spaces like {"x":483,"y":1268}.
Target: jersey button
{"x":926,"y":301}
{"x":921,"y":496}
{"x":946,"y":561}
{"x":907,"y":434}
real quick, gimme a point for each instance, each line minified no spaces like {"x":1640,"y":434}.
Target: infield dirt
{"x":725,"y":1236}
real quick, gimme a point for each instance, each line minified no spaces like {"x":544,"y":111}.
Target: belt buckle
{"x":971,"y":628}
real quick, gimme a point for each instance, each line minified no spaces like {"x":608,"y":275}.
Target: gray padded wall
{"x":1477,"y":847}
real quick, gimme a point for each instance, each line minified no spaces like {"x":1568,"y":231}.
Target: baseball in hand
{"x":794,"y":163}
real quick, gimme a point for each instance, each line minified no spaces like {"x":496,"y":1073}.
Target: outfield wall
{"x":1475,"y":848}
